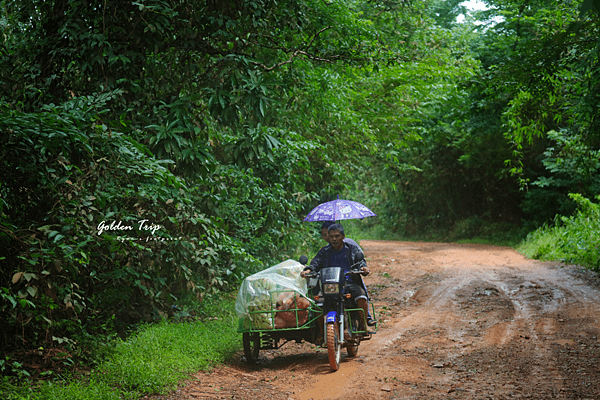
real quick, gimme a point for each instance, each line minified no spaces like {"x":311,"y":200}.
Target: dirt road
{"x":456,"y":322}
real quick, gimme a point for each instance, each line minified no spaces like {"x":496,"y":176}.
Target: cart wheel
{"x":334,"y":346}
{"x":251,"y":346}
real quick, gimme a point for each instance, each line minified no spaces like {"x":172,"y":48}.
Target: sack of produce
{"x":257,"y":301}
{"x":297,"y":316}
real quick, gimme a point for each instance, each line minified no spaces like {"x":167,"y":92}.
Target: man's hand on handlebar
{"x":305,"y":273}
{"x":364,"y":271}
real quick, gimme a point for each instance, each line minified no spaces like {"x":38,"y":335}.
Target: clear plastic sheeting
{"x":257,"y":299}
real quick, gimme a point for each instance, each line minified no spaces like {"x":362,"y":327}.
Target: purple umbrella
{"x":337,"y":210}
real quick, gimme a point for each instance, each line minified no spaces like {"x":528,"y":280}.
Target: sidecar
{"x":273,"y":309}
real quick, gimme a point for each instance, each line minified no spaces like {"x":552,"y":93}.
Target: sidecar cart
{"x":273,"y":309}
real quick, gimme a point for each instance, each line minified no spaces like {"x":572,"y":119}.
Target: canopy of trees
{"x":163,"y":149}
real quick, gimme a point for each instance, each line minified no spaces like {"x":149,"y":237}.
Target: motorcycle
{"x":342,"y":316}
{"x":327,"y":309}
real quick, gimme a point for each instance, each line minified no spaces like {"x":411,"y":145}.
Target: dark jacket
{"x":322,"y":259}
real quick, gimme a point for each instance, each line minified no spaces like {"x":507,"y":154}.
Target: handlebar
{"x":314,"y":274}
{"x":353,"y":271}
{"x":357,"y":272}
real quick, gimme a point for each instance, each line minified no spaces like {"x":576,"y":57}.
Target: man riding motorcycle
{"x":325,"y":236}
{"x":342,"y":254}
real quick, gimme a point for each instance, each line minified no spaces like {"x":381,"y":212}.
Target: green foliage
{"x":158,"y":357}
{"x":67,"y":178}
{"x":220,"y":124}
{"x":446,"y":168}
{"x":162,"y":119}
{"x":153,"y":360}
{"x":549,"y":75}
{"x":573,"y":239}
{"x":571,"y":163}
{"x":445,"y":12}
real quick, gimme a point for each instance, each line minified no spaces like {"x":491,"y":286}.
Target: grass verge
{"x":153,"y":360}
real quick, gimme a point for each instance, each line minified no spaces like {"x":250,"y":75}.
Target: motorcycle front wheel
{"x":334,"y":346}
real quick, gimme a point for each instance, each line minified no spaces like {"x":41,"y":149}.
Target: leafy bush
{"x":94,"y":226}
{"x":573,"y":239}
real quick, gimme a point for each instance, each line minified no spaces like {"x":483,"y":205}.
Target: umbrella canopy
{"x":338,"y":210}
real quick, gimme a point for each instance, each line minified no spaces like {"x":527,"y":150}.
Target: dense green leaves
{"x":93,"y":223}
{"x":211,"y":128}
{"x":552,"y":114}
{"x":143,"y":156}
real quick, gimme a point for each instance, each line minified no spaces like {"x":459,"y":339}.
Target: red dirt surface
{"x":457,"y":321}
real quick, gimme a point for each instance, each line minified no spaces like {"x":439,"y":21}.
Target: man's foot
{"x":371,"y":321}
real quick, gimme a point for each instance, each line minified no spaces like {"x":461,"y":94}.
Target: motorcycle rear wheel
{"x":352,"y":350}
{"x":251,"y":346}
{"x":352,"y":346}
{"x":334,"y":346}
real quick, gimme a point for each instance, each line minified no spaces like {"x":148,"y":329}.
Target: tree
{"x":552,"y":115}
{"x":114,"y":113}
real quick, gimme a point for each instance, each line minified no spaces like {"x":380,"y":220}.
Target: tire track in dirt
{"x":530,"y":293}
{"x":456,"y":322}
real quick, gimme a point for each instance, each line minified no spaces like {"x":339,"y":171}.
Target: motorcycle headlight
{"x":331,"y":288}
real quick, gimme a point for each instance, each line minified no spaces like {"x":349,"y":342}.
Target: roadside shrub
{"x":573,"y":239}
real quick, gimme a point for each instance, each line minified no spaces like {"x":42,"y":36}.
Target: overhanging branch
{"x":295,"y":53}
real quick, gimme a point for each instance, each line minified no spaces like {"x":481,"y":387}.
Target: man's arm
{"x":354,"y":250}
{"x":317,"y":263}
